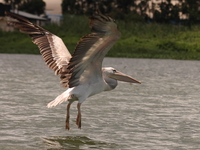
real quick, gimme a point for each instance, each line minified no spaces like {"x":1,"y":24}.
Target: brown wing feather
{"x":52,"y":48}
{"x":90,"y":51}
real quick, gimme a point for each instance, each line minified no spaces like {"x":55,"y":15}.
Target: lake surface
{"x":161,"y":113}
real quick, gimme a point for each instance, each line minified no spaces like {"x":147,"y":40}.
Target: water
{"x":161,"y":113}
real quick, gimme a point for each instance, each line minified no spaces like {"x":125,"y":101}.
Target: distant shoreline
{"x":138,"y":40}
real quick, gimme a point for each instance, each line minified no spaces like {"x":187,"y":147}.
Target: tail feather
{"x":60,"y":99}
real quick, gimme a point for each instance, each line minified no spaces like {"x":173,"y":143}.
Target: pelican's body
{"x":81,"y":73}
{"x":89,"y":88}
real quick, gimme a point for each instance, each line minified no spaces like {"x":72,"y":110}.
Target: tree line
{"x":31,"y":6}
{"x":163,"y":11}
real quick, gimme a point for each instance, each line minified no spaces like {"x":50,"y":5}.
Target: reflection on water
{"x":161,"y":113}
{"x":75,"y":143}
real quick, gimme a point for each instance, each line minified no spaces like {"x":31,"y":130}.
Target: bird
{"x":81,"y":73}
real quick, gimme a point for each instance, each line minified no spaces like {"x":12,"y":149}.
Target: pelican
{"x":81,"y":73}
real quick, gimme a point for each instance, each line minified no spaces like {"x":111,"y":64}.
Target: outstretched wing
{"x":86,"y":62}
{"x":52,"y":48}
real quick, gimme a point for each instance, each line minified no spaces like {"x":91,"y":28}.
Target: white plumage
{"x":81,"y":73}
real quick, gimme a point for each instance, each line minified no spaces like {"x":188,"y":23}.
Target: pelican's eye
{"x":114,"y":71}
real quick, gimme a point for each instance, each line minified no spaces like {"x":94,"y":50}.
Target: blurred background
{"x":150,"y":28}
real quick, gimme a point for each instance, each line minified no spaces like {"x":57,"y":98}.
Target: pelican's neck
{"x":110,"y":83}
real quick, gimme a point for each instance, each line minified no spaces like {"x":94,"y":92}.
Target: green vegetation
{"x":138,"y":40}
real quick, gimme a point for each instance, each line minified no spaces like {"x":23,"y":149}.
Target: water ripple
{"x":162,"y":113}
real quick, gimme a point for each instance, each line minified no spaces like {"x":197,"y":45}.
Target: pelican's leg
{"x":67,"y":116}
{"x":78,"y":119}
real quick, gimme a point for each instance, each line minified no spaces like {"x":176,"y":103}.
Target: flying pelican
{"x":81,"y":73}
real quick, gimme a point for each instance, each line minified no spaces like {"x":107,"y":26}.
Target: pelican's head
{"x":111,"y":75}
